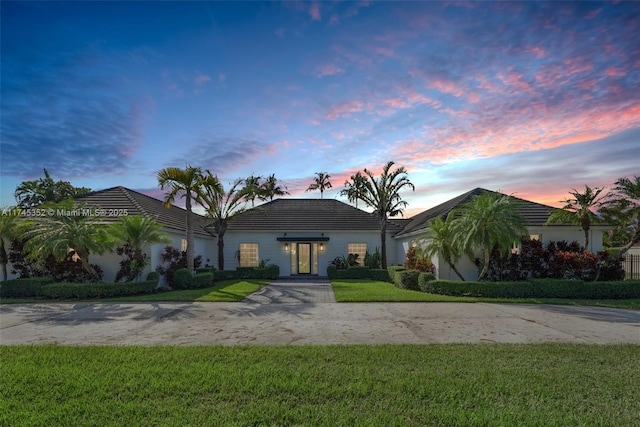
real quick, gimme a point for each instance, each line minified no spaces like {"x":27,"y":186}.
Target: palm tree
{"x":186,"y":183}
{"x":59,"y":235}
{"x":321,"y":182}
{"x":252,"y":189}
{"x":221,"y":206}
{"x":10,"y":226}
{"x":137,"y":232}
{"x":383,"y":195}
{"x":354,"y":188}
{"x":271,"y":188}
{"x":441,"y":242}
{"x":624,"y":206}
{"x":488,"y":220}
{"x":578,"y":210}
{"x":30,"y":194}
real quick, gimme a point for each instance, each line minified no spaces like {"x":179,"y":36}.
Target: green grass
{"x":224,"y":291}
{"x":408,"y":385}
{"x":354,"y":290}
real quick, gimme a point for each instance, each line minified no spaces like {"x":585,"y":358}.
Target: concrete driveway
{"x":262,"y":320}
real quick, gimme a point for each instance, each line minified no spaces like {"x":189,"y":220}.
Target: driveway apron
{"x":294,"y":291}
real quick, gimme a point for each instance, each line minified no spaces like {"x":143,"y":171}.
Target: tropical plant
{"x":488,"y":220}
{"x":270,"y":188}
{"x":67,"y":235}
{"x":186,"y":183}
{"x":173,"y":260}
{"x":623,"y":208}
{"x":417,"y":259}
{"x":578,"y":210}
{"x":133,"y":233}
{"x":10,"y":227}
{"x":221,"y":206}
{"x":373,"y":260}
{"x":252,"y":189}
{"x":383,"y":195}
{"x":354,"y":188}
{"x":30,"y":194}
{"x":441,"y":242}
{"x":321,"y":182}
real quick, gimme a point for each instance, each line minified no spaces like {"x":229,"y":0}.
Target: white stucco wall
{"x":270,"y":248}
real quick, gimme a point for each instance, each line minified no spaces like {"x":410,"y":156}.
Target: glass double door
{"x":304,"y":258}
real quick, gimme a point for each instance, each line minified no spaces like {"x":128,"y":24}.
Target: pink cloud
{"x":593,"y":14}
{"x":328,"y":70}
{"x":314,"y":12}
{"x":615,"y":72}
{"x":345,"y":108}
{"x":384,"y":51}
{"x":446,"y":86}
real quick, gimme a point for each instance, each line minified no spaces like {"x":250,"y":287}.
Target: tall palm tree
{"x":10,"y":226}
{"x":578,"y":210}
{"x":252,"y":188}
{"x":185,"y":183}
{"x":441,"y":242}
{"x":488,"y":220}
{"x":320,"y":182}
{"x":271,"y":188}
{"x":383,"y":195}
{"x":624,"y":206}
{"x":354,"y":188}
{"x":58,"y":235}
{"x":221,"y":206}
{"x":137,"y":232}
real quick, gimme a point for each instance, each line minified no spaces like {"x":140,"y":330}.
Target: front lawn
{"x":233,"y":290}
{"x":356,"y":290}
{"x":388,"y":385}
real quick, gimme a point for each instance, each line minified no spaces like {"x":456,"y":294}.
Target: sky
{"x":532,"y":99}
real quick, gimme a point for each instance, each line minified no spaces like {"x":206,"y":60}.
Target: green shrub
{"x":224,"y":275}
{"x":182,"y":278}
{"x":206,"y":270}
{"x":332,"y":272}
{"x":393,"y":269}
{"x":381,"y":274}
{"x":423,"y":278}
{"x":407,"y":279}
{"x":365,"y":273}
{"x":201,"y":280}
{"x":22,"y":288}
{"x":271,"y":271}
{"x":153,"y":275}
{"x":537,"y":288}
{"x":97,"y":290}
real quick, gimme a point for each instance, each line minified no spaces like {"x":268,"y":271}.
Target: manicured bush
{"x":182,"y":278}
{"x":392,"y":270}
{"x":224,"y":275}
{"x":381,"y":274}
{"x":271,"y":271}
{"x":423,"y":278}
{"x":537,"y":288}
{"x":153,"y":275}
{"x":201,"y":280}
{"x":97,"y":290}
{"x":22,"y":288}
{"x":358,"y":273}
{"x":407,"y":279}
{"x":206,"y":270}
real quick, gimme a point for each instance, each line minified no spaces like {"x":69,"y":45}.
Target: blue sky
{"x":529,"y":98}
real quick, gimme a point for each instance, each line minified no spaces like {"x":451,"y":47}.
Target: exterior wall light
{"x":321,"y":247}
{"x":286,"y":247}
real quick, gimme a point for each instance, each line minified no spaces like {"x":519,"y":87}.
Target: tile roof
{"x":307,"y":214}
{"x":535,"y":214}
{"x":135,"y":203}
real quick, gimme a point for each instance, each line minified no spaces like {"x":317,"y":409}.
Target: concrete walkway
{"x":261,"y":320}
{"x":292,"y":291}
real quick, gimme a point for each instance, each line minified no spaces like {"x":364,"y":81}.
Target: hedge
{"x":538,"y":288}
{"x":98,"y":290}
{"x":272,"y":272}
{"x":407,"y":279}
{"x":423,"y":279}
{"x":358,"y":272}
{"x":26,"y":287}
{"x":184,"y":279}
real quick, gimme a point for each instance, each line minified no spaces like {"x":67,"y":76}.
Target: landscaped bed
{"x":407,"y":385}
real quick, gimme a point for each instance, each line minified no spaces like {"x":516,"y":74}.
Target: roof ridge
{"x":129,"y":196}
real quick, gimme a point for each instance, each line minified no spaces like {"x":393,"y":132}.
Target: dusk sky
{"x":528,"y":98}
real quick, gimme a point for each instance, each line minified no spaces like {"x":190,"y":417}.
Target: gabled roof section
{"x":120,"y":198}
{"x":307,"y":214}
{"x":535,"y":214}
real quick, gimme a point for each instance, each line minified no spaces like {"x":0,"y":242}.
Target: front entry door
{"x":304,"y":258}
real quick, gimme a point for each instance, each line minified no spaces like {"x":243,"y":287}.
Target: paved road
{"x":261,"y":320}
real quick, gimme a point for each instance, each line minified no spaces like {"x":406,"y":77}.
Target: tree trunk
{"x":455,"y":270}
{"x":635,"y":239}
{"x":586,"y":239}
{"x":383,"y":243}
{"x":190,"y":242}
{"x":4,"y":259}
{"x":485,"y":266}
{"x":220,"y":251}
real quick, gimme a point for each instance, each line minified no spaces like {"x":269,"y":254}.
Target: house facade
{"x":303,"y":236}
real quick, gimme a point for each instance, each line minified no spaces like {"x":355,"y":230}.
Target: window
{"x":183,"y":245}
{"x":249,"y":255}
{"x":357,"y":248}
